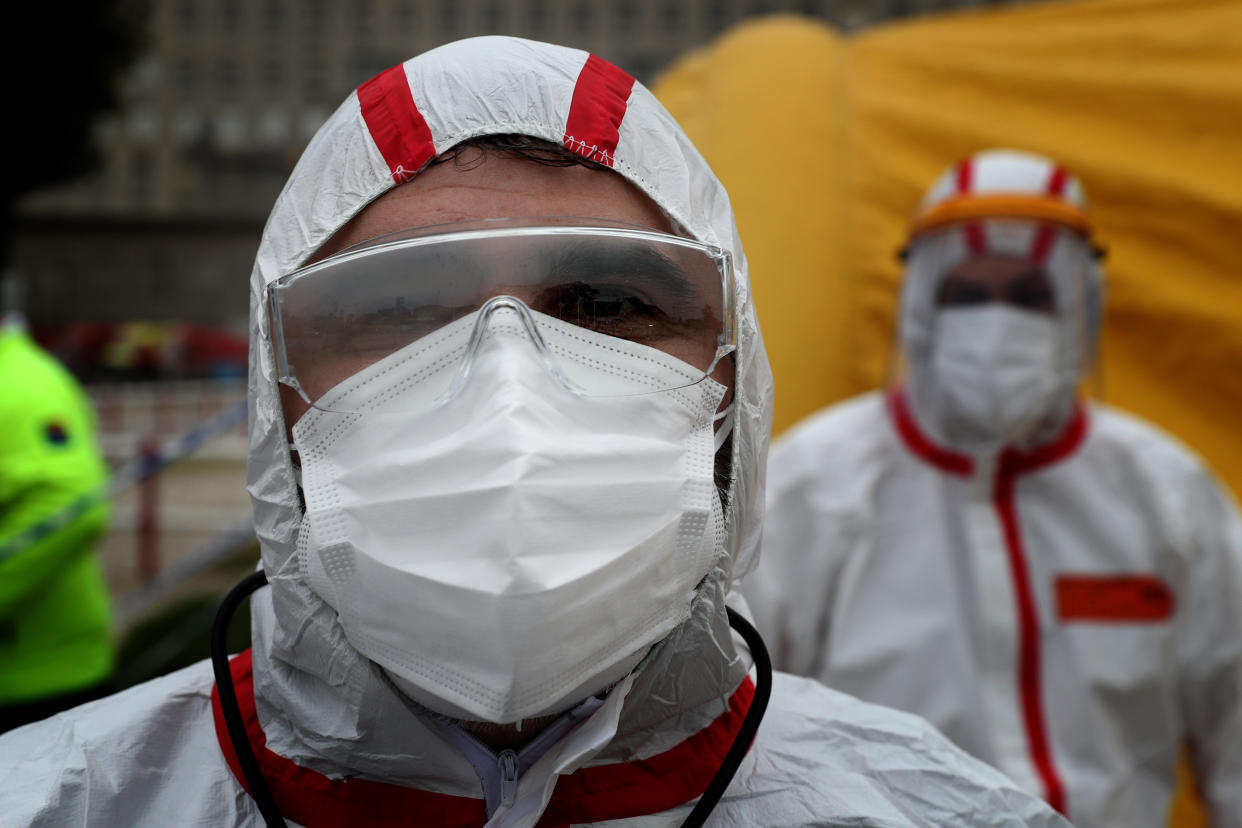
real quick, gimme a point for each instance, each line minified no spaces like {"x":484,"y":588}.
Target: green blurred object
{"x":55,"y":613}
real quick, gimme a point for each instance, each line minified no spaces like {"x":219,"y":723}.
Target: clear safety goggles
{"x":335,"y":318}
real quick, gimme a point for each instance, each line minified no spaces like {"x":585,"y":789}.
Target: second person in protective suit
{"x":1054,"y":584}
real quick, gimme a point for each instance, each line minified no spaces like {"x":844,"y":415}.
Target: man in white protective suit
{"x":1055,"y":585}
{"x":510,"y":409}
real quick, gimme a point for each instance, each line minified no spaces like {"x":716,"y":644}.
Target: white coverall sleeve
{"x":1210,"y":650}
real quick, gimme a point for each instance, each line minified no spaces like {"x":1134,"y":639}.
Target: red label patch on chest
{"x":1113,"y":598}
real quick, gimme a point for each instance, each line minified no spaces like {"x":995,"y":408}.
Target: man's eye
{"x":611,"y":310}
{"x":382,"y":332}
{"x":959,"y":292}
{"x":1032,"y":294}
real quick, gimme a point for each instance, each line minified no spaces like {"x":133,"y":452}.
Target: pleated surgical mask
{"x":995,"y":372}
{"x":513,"y":546}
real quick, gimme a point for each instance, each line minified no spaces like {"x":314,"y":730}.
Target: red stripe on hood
{"x":1046,"y":234}
{"x":601,"y":97}
{"x":396,"y":125}
{"x":976,"y":240}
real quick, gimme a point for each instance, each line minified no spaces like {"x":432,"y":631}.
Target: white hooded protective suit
{"x":335,"y":741}
{"x":1068,"y":611}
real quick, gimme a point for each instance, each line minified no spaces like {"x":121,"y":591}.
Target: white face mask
{"x":995,"y":372}
{"x":518,"y":547}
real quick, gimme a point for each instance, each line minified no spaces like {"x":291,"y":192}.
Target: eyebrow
{"x":641,"y":264}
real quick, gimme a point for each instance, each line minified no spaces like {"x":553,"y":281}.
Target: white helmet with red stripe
{"x":1011,"y":204}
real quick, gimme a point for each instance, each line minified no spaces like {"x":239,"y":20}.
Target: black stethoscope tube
{"x":259,"y":790}
{"x":262,"y":794}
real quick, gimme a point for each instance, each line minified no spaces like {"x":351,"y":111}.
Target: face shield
{"x":383,"y":301}
{"x":1040,"y":268}
{"x":999,"y":320}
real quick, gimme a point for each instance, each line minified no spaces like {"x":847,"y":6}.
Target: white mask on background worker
{"x":995,"y":363}
{"x":1000,"y":303}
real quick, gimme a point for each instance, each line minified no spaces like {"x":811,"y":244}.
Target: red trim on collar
{"x":1016,"y":461}
{"x":947,"y":460}
{"x":652,"y":785}
{"x":590,"y":794}
{"x":317,"y":801}
{"x":1012,"y":461}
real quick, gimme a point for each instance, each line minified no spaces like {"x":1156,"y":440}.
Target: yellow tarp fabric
{"x":826,"y":142}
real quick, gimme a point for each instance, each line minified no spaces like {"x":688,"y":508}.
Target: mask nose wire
{"x":481,"y":330}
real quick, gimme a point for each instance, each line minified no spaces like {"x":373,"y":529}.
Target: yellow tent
{"x":826,"y":142}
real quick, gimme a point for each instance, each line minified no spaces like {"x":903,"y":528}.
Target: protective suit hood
{"x":316,"y":696}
